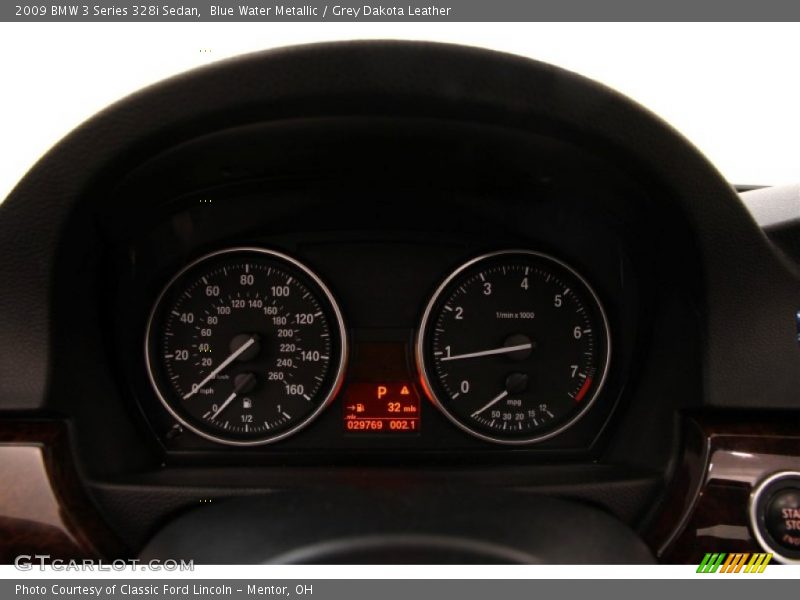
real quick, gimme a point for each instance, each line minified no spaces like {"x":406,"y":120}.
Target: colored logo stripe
{"x":758,"y":563}
{"x":734,"y":563}
{"x":710,"y":563}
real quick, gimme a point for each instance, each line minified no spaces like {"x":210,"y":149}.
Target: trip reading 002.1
{"x":514,"y":347}
{"x":245,"y":346}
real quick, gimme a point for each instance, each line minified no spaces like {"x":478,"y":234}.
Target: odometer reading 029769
{"x":245,"y":346}
{"x":514,"y":347}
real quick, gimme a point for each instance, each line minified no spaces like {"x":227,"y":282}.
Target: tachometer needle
{"x":503,"y":350}
{"x":225,"y":404}
{"x":491,"y":403}
{"x":236,"y":353}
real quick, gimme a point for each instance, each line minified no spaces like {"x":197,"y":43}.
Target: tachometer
{"x":514,"y":347}
{"x":245,"y":346}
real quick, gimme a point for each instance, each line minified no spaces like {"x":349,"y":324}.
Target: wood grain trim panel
{"x":43,"y":508}
{"x":724,"y":458}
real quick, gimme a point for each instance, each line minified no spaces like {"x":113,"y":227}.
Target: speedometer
{"x":514,"y":347}
{"x":245,"y":346}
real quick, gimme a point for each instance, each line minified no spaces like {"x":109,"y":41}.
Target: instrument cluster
{"x":258,"y":347}
{"x":485,"y":311}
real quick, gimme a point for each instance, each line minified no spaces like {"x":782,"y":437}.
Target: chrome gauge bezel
{"x":339,"y":324}
{"x":430,"y":387}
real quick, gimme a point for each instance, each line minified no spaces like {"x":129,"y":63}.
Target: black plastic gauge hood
{"x":750,"y":295}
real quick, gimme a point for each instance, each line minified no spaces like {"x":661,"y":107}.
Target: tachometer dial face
{"x":245,"y":346}
{"x":514,"y":347}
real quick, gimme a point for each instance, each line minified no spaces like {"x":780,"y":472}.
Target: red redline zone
{"x":584,"y":388}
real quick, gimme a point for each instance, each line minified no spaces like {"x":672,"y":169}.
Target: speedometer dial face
{"x":514,"y":347}
{"x":245,"y":346}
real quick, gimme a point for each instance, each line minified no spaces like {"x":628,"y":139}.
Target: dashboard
{"x":338,"y":329}
{"x":487,"y":283}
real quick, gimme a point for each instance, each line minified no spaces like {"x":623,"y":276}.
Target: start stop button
{"x":775,"y":515}
{"x":783,"y":517}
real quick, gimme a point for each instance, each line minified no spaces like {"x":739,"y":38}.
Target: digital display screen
{"x":390,"y":407}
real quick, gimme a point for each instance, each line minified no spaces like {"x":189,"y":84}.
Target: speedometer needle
{"x":236,"y":354}
{"x":503,"y":350}
{"x":490,"y":403}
